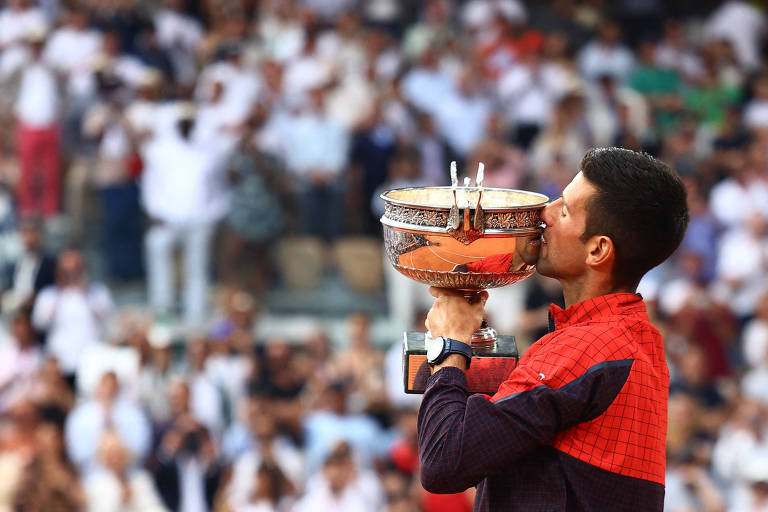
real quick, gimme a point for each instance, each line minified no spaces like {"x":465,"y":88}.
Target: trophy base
{"x":490,"y":366}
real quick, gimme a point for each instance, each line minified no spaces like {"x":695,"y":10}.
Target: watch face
{"x":435,"y":349}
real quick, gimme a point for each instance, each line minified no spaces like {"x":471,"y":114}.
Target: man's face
{"x":563,"y":254}
{"x":31,"y":238}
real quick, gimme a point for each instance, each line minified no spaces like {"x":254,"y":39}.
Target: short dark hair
{"x":640,"y":204}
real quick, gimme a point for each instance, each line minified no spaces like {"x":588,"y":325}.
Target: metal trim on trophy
{"x":468,"y":238}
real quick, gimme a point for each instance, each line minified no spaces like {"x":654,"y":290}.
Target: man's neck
{"x":581,"y":290}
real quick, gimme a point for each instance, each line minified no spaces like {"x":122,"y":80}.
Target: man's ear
{"x":601,"y":252}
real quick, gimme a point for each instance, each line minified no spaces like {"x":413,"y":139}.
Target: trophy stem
{"x":485,"y":337}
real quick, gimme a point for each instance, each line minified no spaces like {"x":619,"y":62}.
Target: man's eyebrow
{"x":564,"y":203}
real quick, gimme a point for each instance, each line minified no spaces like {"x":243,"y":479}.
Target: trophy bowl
{"x":465,"y":238}
{"x":487,"y":246}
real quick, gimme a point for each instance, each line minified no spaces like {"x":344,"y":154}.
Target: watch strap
{"x":453,"y":346}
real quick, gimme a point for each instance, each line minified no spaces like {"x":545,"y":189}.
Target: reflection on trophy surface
{"x":467,"y":238}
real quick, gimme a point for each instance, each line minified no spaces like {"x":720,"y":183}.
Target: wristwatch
{"x":441,"y":346}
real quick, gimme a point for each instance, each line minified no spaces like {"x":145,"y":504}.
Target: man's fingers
{"x":438,"y":292}
{"x":442,"y":292}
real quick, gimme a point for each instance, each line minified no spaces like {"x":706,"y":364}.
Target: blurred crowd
{"x":188,"y":139}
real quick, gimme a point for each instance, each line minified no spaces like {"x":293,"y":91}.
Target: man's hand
{"x":453,"y":316}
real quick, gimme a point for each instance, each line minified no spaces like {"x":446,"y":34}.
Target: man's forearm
{"x":441,"y":415}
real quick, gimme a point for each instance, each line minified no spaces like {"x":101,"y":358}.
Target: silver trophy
{"x":468,"y":238}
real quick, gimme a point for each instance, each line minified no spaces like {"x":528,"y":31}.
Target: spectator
{"x":203,"y":397}
{"x":606,"y":55}
{"x":49,"y":481}
{"x":257,"y":214}
{"x":360,"y":364}
{"x":19,"y":363}
{"x":529,"y":91}
{"x":180,"y":35}
{"x":114,"y":177}
{"x":315,"y":150}
{"x":426,"y":86}
{"x":17,"y":19}
{"x":373,"y":147}
{"x":272,"y":491}
{"x":107,"y":410}
{"x":341,"y":486}
{"x":332,"y":421}
{"x":156,"y":374}
{"x":463,"y":116}
{"x":52,"y":393}
{"x":37,"y":109}
{"x":179,"y":193}
{"x":32,"y":271}
{"x":185,"y":467}
{"x":227,"y":367}
{"x":741,"y":260}
{"x":755,"y":336}
{"x":268,"y":448}
{"x":72,"y":49}
{"x":115,"y":487}
{"x":676,"y":53}
{"x":742,"y":25}
{"x":73,"y":312}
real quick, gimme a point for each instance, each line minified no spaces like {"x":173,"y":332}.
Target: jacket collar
{"x":601,"y":306}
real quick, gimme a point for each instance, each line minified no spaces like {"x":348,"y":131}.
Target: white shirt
{"x":24,"y":277}
{"x":176,"y":30}
{"x":314,"y":142}
{"x":305,"y":73}
{"x":742,"y":257}
{"x":180,"y":35}
{"x":177,"y":186}
{"x":241,"y":88}
{"x":597,"y":59}
{"x":18,"y":371}
{"x":74,"y":319}
{"x":88,"y":421}
{"x":152,"y":118}
{"x":363,"y":493}
{"x":229,"y":373}
{"x":463,"y":121}
{"x":16,"y":24}
{"x":73,"y":51}
{"x":742,"y":25}
{"x":530,"y":94}
{"x":192,"y":486}
{"x":754,"y":385}
{"x":351,"y":102}
{"x":205,"y":403}
{"x":679,"y":59}
{"x":105,"y":492}
{"x":755,"y":343}
{"x":731,"y":202}
{"x":282,"y":38}
{"x":241,"y":487}
{"x":38,"y":101}
{"x":756,"y":114}
{"x":426,"y":89}
{"x":216,"y":125}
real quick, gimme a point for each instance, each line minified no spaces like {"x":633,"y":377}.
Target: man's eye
{"x":562,"y":213}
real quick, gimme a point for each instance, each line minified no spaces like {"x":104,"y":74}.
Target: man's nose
{"x":546,"y":213}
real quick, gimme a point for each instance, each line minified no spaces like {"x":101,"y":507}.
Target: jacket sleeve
{"x":464,"y":438}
